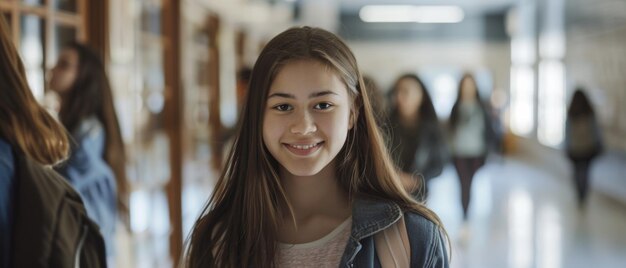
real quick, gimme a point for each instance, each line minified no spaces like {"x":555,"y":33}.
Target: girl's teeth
{"x":303,"y":147}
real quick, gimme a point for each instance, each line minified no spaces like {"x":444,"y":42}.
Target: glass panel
{"x":150,"y":222}
{"x":138,"y":80}
{"x":32,"y":52}
{"x":154,"y":136}
{"x":33,"y":2}
{"x":152,"y":146}
{"x":65,"y":5}
{"x":151,"y":18}
{"x":196,"y":140}
{"x":63,"y":36}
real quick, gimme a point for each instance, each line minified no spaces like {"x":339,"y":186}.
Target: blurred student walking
{"x":471,"y":135}
{"x":96,"y":167}
{"x":416,"y":141}
{"x":583,"y":141}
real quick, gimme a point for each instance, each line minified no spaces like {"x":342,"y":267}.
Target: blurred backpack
{"x":51,"y":226}
{"x":583,"y":139}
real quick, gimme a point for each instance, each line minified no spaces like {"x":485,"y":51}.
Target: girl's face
{"x":468,"y":90}
{"x":307,"y":117}
{"x":64,"y":73}
{"x":408,"y":97}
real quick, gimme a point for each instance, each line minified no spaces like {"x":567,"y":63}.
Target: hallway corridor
{"x":523,"y":213}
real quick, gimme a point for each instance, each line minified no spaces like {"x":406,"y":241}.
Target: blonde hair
{"x":23,"y":122}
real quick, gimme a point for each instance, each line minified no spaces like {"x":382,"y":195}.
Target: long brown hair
{"x":455,"y":114}
{"x":91,"y":95}
{"x":426,"y":113}
{"x":239,"y":224}
{"x":23,"y":122}
{"x":580,"y":105}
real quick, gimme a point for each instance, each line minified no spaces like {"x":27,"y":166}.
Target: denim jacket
{"x":7,"y":182}
{"x":372,"y":216}
{"x":93,"y":179}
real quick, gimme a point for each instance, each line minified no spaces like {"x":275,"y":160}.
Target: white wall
{"x":596,"y":59}
{"x":386,"y":60}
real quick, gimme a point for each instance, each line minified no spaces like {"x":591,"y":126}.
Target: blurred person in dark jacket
{"x":96,"y":166}
{"x":415,"y":136}
{"x":583,"y":141}
{"x":42,"y":219}
{"x":471,"y":135}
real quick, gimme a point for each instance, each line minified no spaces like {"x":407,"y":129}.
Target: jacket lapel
{"x":369,"y":216}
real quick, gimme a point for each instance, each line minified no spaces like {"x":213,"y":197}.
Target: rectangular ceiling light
{"x":410,"y":13}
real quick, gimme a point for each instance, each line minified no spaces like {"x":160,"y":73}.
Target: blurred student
{"x":43,"y":222}
{"x":471,"y":135}
{"x":96,"y":166}
{"x":583,"y":141}
{"x":416,"y":139}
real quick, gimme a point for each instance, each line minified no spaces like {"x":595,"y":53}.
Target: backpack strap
{"x":392,"y":246}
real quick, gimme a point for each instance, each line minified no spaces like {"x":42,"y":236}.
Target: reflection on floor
{"x":524,"y":215}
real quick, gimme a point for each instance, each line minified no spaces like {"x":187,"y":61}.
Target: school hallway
{"x":524,"y":213}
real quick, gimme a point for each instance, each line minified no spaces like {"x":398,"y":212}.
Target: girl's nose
{"x":303,"y":124}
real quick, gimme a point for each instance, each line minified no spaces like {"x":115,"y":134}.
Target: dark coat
{"x":51,"y":227}
{"x":420,"y":150}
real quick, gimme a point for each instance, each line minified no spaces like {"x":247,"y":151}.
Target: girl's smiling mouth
{"x":303,"y":149}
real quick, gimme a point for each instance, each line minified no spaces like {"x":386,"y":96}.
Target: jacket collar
{"x":369,"y":216}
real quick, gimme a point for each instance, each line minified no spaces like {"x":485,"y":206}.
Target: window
{"x":40,"y":28}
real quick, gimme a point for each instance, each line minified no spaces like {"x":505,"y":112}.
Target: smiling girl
{"x":309,"y":182}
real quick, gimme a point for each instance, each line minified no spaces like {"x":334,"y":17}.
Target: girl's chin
{"x":304,"y":172}
{"x":300,"y":170}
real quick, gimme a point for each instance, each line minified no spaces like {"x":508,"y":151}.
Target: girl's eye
{"x":323,"y":106}
{"x":283,"y":107}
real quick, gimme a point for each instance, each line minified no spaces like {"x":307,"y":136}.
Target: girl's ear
{"x":357,"y":104}
{"x":354,"y":114}
{"x":351,"y":122}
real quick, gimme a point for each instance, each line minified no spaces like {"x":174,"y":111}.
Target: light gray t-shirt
{"x":469,"y":138}
{"x":321,"y":253}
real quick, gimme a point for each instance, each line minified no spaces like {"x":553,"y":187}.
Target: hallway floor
{"x":523,"y":213}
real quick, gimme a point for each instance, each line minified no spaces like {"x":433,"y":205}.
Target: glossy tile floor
{"x":523,"y":213}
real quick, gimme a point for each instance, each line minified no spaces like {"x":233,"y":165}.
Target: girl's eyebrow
{"x":313,"y":95}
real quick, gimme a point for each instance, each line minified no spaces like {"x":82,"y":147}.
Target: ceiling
{"x":469,"y":6}
{"x":483,"y":18}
